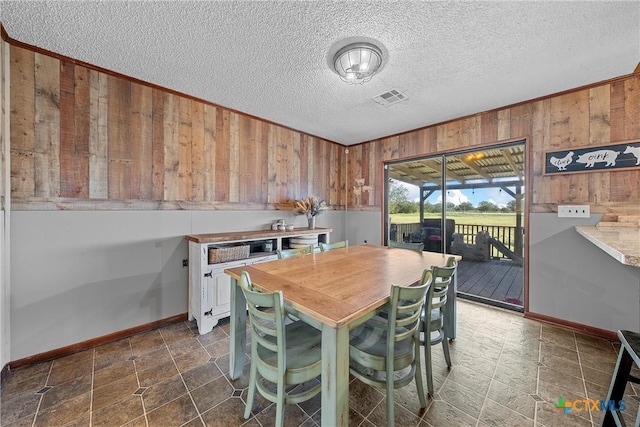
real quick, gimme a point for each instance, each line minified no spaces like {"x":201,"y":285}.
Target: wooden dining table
{"x":334,"y":291}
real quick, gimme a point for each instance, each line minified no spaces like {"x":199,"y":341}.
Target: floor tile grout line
{"x":535,"y":414}
{"x":484,"y":402}
{"x":184,"y":383}
{"x":135,"y":369}
{"x":35,"y":415}
{"x":584,"y":381}
{"x":468,"y":388}
{"x":195,"y":336}
{"x":93,"y":378}
{"x":493,"y":379}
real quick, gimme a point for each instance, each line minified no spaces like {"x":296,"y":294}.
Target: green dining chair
{"x":335,"y":245}
{"x":433,"y":317}
{"x":283,"y":354}
{"x":291,"y":253}
{"x":404,"y":245}
{"x":384,"y":352}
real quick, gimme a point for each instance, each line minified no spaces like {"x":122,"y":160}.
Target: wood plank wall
{"x":84,"y":139}
{"x":597,"y":115}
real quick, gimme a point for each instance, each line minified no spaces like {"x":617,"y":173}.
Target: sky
{"x":493,"y":195}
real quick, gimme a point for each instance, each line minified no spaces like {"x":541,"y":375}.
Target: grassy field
{"x":501,"y":219}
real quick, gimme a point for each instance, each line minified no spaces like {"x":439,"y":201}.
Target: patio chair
{"x":282,"y":356}
{"x":384,"y":352}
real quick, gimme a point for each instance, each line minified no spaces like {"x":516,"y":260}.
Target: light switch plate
{"x":574,"y":211}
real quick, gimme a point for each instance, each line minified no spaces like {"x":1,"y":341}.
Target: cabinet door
{"x":220,"y":294}
{"x":220,"y":288}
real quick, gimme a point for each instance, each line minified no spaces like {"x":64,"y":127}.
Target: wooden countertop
{"x":622,"y":243}
{"x":252,"y":235}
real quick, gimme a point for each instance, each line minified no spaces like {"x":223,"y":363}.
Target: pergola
{"x":501,"y":167}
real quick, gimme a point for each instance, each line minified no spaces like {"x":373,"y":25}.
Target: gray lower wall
{"x":76,"y":276}
{"x":79,"y":275}
{"x":364,"y":226}
{"x":572,"y":279}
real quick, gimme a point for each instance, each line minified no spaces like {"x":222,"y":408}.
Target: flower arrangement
{"x":310,"y":206}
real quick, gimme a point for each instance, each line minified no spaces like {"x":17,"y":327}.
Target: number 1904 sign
{"x":623,"y":155}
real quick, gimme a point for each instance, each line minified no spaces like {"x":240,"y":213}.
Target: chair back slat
{"x":335,"y":245}
{"x":404,"y":245}
{"x":295,"y":252}
{"x":266,"y":315}
{"x":443,"y":278}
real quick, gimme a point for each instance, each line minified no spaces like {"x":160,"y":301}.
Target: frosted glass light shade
{"x":356,"y":63}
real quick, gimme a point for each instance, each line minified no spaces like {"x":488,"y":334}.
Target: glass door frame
{"x":521,"y":194}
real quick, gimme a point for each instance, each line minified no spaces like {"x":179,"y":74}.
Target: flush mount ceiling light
{"x":356,"y":63}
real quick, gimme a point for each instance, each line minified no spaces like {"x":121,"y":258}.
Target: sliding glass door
{"x":468,"y":203}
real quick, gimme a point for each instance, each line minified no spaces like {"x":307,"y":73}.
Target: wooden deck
{"x":498,"y":280}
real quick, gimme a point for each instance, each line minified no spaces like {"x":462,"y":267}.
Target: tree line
{"x":399,"y":203}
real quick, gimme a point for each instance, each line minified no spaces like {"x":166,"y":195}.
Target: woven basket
{"x":227,"y":253}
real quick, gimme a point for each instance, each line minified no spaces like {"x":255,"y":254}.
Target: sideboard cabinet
{"x":210,"y":287}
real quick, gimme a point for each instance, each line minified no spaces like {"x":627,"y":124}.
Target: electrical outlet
{"x":574,"y":211}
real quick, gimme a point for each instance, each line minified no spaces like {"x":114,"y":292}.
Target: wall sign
{"x":622,"y":155}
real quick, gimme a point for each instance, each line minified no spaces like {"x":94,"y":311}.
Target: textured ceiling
{"x":269,"y":59}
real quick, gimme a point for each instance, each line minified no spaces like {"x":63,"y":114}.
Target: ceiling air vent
{"x":390,"y":97}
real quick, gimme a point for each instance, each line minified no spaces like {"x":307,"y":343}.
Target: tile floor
{"x":508,"y":371}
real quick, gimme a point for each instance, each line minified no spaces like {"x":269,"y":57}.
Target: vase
{"x":312,"y":222}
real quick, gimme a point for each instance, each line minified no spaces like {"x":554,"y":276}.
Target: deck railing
{"x":505,"y":234}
